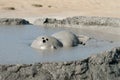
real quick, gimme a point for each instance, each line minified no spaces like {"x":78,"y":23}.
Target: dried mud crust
{"x":13,"y":21}
{"x":104,"y":66}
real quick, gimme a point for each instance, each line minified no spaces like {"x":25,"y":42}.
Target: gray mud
{"x":16,"y":40}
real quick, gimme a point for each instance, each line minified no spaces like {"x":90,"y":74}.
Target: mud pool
{"x":15,"y":44}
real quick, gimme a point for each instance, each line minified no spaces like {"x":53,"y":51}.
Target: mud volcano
{"x":59,"y":39}
{"x":96,"y":60}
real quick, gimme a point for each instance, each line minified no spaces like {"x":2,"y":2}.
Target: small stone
{"x":0,"y":77}
{"x":77,"y":69}
{"x":14,"y":68}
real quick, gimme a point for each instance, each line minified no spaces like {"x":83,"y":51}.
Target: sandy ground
{"x":59,"y":8}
